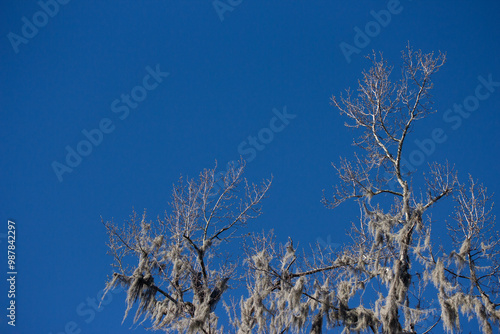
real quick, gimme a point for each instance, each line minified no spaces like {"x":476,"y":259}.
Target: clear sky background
{"x":227,"y":72}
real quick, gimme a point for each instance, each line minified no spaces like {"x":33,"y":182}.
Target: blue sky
{"x":231,"y":69}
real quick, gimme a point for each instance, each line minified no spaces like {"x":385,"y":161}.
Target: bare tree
{"x":171,"y":267}
{"x":395,"y":276}
{"x":394,"y":247}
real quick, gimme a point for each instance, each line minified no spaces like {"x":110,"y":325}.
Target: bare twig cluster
{"x":395,"y":276}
